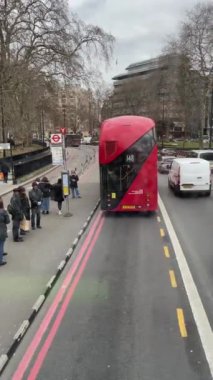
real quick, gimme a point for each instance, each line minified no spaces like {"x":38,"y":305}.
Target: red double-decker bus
{"x":128,"y":164}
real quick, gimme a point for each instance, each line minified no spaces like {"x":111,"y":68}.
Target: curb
{"x":5,"y":358}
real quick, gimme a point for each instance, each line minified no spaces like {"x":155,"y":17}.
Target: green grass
{"x":20,"y":150}
{"x":182,"y":144}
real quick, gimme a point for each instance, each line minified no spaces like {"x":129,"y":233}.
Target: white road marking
{"x":3,"y":361}
{"x":198,"y":311}
{"x":38,"y":302}
{"x":50,"y":282}
{"x":61,"y":265}
{"x":22,"y":329}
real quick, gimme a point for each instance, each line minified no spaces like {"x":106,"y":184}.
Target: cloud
{"x":139,"y":26}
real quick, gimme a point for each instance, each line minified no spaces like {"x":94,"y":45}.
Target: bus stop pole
{"x":65,"y":181}
{"x":12,"y":165}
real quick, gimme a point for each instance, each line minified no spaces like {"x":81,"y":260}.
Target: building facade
{"x":149,"y":88}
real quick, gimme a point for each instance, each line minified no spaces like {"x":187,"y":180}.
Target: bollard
{"x":10,"y":178}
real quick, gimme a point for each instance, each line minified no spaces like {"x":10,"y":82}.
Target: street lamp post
{"x":162,"y":97}
{"x":64,"y":113}
{"x":2,"y":119}
{"x":42,"y":124}
{"x":211,"y":120}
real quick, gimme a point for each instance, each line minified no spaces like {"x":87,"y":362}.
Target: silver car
{"x":165,"y":164}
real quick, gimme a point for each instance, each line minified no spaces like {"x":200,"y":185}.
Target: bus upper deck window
{"x":110,"y":148}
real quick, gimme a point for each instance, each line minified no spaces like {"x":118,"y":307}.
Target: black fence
{"x":28,"y":162}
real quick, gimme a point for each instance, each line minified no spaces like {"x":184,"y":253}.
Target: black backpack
{"x":10,"y":209}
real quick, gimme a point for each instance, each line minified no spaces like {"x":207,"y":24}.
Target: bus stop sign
{"x":56,"y":138}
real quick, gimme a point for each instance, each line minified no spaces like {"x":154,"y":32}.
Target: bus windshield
{"x":122,"y":171}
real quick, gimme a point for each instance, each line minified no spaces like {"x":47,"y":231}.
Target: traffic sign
{"x":57,"y":155}
{"x":63,"y":131}
{"x":56,"y":138}
{"x":4,"y":146}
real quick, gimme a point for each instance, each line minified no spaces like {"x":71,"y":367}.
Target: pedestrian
{"x":25,"y":204}
{"x":74,"y":184}
{"x":58,"y":195}
{"x":45,"y":188}
{"x":4,"y":220}
{"x":15,"y":209}
{"x":35,"y":196}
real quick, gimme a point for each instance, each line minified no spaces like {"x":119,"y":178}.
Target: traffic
{"x":187,"y":175}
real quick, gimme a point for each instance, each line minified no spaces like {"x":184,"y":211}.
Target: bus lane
{"x":124,"y":315}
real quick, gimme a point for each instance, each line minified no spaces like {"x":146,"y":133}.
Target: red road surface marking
{"x":44,"y":350}
{"x":23,"y":365}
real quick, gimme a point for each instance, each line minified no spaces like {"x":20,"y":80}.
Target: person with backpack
{"x":4,"y":220}
{"x":74,"y":184}
{"x":15,"y":209}
{"x":36,"y":197}
{"x":25,"y":204}
{"x":58,"y":195}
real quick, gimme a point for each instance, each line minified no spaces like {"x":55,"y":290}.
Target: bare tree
{"x":42,"y":39}
{"x":194,"y":45}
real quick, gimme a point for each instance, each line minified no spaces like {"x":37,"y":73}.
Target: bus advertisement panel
{"x":128,"y":164}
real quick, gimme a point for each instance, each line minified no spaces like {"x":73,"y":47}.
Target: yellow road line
{"x":173,"y":279}
{"x":158,"y":219}
{"x":181,"y":322}
{"x":162,"y":233}
{"x":166,"y":251}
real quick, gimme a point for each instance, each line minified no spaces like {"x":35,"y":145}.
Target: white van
{"x":190,"y":174}
{"x":205,"y":154}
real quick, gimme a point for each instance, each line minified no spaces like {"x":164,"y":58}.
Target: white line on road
{"x":61,"y":265}
{"x":39,"y":302}
{"x":197,"y":308}
{"x":22,"y":329}
{"x":3,"y":360}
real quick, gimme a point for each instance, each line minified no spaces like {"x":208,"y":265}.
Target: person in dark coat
{"x":74,"y":184}
{"x":25,"y":204}
{"x":4,"y":220}
{"x":45,"y":187}
{"x":17,"y":214}
{"x":36,"y":197}
{"x":58,"y":195}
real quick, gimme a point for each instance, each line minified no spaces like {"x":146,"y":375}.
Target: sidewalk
{"x":31,"y":264}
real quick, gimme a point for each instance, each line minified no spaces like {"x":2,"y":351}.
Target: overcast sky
{"x":139,"y":26}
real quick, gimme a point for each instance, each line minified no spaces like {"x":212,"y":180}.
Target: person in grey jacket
{"x":4,"y":220}
{"x":35,"y":196}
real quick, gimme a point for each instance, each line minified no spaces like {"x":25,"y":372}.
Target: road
{"x":120,"y":310}
{"x":192,"y":218}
